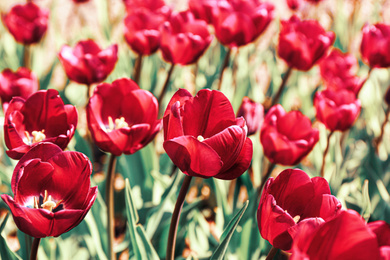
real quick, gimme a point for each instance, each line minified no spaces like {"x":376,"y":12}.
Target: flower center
{"x":46,"y":202}
{"x":37,"y":136}
{"x":118,"y":123}
{"x":296,"y":218}
{"x":200,"y":138}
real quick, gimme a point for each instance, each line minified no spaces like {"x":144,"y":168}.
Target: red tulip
{"x":203,"y":9}
{"x":21,"y":83}
{"x":238,"y":23}
{"x":253,"y":113}
{"x":289,"y":199}
{"x":337,"y":110}
{"x":41,"y":117}
{"x":294,"y":4}
{"x":344,"y":237}
{"x":303,"y":43}
{"x":382,"y":231}
{"x":142,"y":30}
{"x":27,"y":23}
{"x":287,"y":137}
{"x":184,"y":39}
{"x":122,"y":117}
{"x":203,"y":138}
{"x":155,"y":6}
{"x":375,"y":45}
{"x":52,"y":191}
{"x":87,"y":63}
{"x":80,"y":1}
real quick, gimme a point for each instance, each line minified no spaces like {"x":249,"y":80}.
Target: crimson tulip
{"x":382,"y":231}
{"x":375,"y":45}
{"x":294,"y":4}
{"x":26,"y":22}
{"x":289,"y":199}
{"x":41,"y":117}
{"x":86,"y":63}
{"x":155,"y":6}
{"x":238,"y":23}
{"x":253,"y":113}
{"x":52,"y":191}
{"x":203,"y":137}
{"x":80,"y":1}
{"x":303,"y":42}
{"x":122,"y":117}
{"x":344,"y":237}
{"x":287,"y":137}
{"x":203,"y":9}
{"x":183,"y":38}
{"x":337,"y":110}
{"x":21,"y":83}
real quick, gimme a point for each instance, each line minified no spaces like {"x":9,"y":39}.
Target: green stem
{"x":368,"y":76}
{"x":324,"y":156}
{"x":224,"y":66}
{"x":137,"y":69}
{"x":110,"y":205}
{"x":282,"y":87}
{"x":175,"y":218}
{"x":271,"y":253}
{"x":166,"y":84}
{"x":379,"y":140}
{"x":88,"y":93}
{"x":26,"y":56}
{"x":34,"y":248}
{"x":28,"y":240}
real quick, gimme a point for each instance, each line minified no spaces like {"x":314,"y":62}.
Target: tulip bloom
{"x":52,"y":191}
{"x":294,"y":4}
{"x":27,"y":23}
{"x":337,"y":110}
{"x":287,"y":137}
{"x":253,"y":113}
{"x":203,"y":138}
{"x":21,"y":83}
{"x":203,"y":9}
{"x":238,"y":23}
{"x":184,"y":39}
{"x":155,"y":6}
{"x":289,"y":199}
{"x":41,"y":117}
{"x":87,"y":63}
{"x":375,"y":45}
{"x":382,"y":231}
{"x":303,"y":43}
{"x":122,"y":117}
{"x":345,"y":237}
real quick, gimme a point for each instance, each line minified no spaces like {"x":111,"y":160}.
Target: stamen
{"x":111,"y":125}
{"x":200,"y":138}
{"x":118,"y":123}
{"x":49,"y":204}
{"x":35,"y":203}
{"x":46,"y":202}
{"x":296,"y":218}
{"x":38,"y":136}
{"x":45,"y":197}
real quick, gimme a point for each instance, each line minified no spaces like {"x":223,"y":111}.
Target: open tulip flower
{"x":87,"y":63}
{"x":287,"y":137}
{"x":238,"y":23}
{"x":21,"y":83}
{"x":337,"y":110}
{"x":203,"y":137}
{"x":27,"y":23}
{"x":253,"y":113}
{"x":303,"y":42}
{"x":41,"y":117}
{"x":345,"y":237}
{"x":288,"y":200}
{"x":122,"y":117}
{"x":203,"y":9}
{"x":52,"y":191}
{"x":375,"y":45}
{"x":184,"y":38}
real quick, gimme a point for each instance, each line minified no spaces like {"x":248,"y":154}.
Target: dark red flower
{"x":183,"y":38}
{"x":203,"y":137}
{"x":80,"y":1}
{"x":21,"y":83}
{"x":287,"y":137}
{"x":375,"y":45}
{"x":382,"y":231}
{"x":203,"y":9}
{"x":344,"y":237}
{"x":142,"y":30}
{"x":253,"y":113}
{"x":289,"y":199}
{"x":87,"y":63}
{"x":337,"y":110}
{"x":238,"y":23}
{"x":41,"y":117}
{"x":27,"y":22}
{"x":303,"y":43}
{"x":294,"y":4}
{"x":52,"y":191}
{"x":156,"y":6}
{"x":122,"y":117}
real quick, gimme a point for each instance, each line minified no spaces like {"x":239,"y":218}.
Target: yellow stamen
{"x":200,"y":138}
{"x":36,"y":203}
{"x":45,"y":197}
{"x":38,"y":136}
{"x":296,"y":218}
{"x":49,"y":204}
{"x":118,"y":123}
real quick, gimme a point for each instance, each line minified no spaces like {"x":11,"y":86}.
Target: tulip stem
{"x":166,"y":84}
{"x":379,"y":140}
{"x":34,"y":248}
{"x":271,"y":253}
{"x":224,"y":66}
{"x":88,"y":92}
{"x":110,"y":205}
{"x":281,"y":88}
{"x":368,"y":76}
{"x":137,"y":69}
{"x":271,"y":166}
{"x":175,"y":218}
{"x":324,"y":156}
{"x":26,"y":56}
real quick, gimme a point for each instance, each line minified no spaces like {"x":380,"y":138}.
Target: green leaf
{"x":228,"y":233}
{"x":366,"y":204}
{"x":5,"y":252}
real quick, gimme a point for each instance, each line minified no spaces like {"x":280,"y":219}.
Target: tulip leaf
{"x":5,"y":252}
{"x":228,"y":233}
{"x":366,"y":204}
